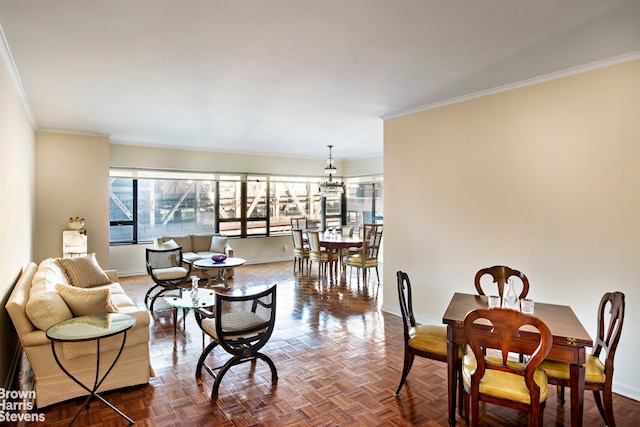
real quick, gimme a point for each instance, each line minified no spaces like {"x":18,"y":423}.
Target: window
{"x":364,"y":200}
{"x":147,"y":204}
{"x":291,"y":197}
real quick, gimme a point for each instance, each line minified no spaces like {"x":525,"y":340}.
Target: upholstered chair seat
{"x":593,"y":370}
{"x":504,"y":385}
{"x":429,"y":338}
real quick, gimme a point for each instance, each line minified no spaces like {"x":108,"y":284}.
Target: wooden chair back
{"x":499,"y":330}
{"x":500,"y":275}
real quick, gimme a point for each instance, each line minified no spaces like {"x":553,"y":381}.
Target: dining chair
{"x":500,"y":380}
{"x":598,"y":376}
{"x":300,"y":251}
{"x":367,"y":257}
{"x":241,"y":325}
{"x":428,"y":341}
{"x":168,"y":270}
{"x":501,"y":275}
{"x":317,"y":253}
{"x":347,"y":231}
{"x":299,"y":223}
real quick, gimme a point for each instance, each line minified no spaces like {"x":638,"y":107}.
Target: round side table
{"x":92,"y":328}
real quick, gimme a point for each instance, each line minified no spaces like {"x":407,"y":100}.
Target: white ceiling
{"x":288,"y":77}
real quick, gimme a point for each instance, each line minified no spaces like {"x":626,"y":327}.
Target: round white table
{"x":207,"y":264}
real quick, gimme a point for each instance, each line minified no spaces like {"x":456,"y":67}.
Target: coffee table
{"x":92,"y":328}
{"x":207,"y":264}
{"x":184,"y":301}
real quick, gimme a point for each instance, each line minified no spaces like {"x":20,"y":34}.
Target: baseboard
{"x":626,"y":390}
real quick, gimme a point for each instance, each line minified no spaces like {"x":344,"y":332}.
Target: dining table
{"x":570,"y":340}
{"x":335,"y":245}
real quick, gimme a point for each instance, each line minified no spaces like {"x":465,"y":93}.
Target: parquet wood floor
{"x":338,"y":357}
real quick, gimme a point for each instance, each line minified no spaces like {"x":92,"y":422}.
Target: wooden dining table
{"x":570,"y":340}
{"x":337,"y":244}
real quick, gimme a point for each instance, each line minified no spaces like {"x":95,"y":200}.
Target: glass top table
{"x":93,"y":327}
{"x":184,"y":301}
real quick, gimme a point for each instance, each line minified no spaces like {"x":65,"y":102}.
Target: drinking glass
{"x":526,"y":305}
{"x":494,"y":301}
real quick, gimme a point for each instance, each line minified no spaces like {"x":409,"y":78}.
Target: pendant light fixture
{"x":331,"y":187}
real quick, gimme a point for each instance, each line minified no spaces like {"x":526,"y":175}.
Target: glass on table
{"x":494,"y":301}
{"x":526,"y":306}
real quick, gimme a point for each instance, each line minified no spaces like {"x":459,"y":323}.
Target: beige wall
{"x":72,"y":180}
{"x":18,"y":207}
{"x":543,"y":179}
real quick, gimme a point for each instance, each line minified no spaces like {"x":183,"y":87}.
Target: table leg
{"x":330,"y":251}
{"x":576,"y":373}
{"x":97,"y":383}
{"x":452,"y":376}
{"x":174,"y":312}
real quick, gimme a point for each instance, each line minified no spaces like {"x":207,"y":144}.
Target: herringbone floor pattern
{"x":338,"y":357}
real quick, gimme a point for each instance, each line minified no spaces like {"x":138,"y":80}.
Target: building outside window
{"x":147,"y":204}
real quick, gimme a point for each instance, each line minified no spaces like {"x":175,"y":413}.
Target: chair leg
{"x":460,"y":393}
{"x":466,"y":408}
{"x":535,"y":415}
{"x":272,"y":366}
{"x":147,"y":296}
{"x":203,"y":356}
{"x":560,"y":395}
{"x":408,"y":362}
{"x":606,"y":410}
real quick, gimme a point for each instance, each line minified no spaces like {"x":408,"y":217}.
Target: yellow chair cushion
{"x":593,"y":370}
{"x":431,"y":338}
{"x":356,"y":261}
{"x":504,"y":385}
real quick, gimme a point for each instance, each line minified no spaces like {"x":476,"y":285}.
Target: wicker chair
{"x":241,"y":325}
{"x":168,"y":271}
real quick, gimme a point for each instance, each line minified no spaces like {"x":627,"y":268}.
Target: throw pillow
{"x":45,"y":309}
{"x":169,"y":244}
{"x":84,"y":271}
{"x":83,"y":302}
{"x":218,"y":244}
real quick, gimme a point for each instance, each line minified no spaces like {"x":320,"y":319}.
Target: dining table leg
{"x":452,"y":376}
{"x":330,"y":251}
{"x":576,"y":375}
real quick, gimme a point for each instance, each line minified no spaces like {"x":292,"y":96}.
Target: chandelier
{"x":331,"y":187}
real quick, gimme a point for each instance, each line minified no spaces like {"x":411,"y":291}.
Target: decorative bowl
{"x":218,"y":258}
{"x":76,"y":223}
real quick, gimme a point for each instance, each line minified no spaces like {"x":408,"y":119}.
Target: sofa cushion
{"x":45,"y":309}
{"x":84,"y":271}
{"x":200,"y":243}
{"x":82,"y":302}
{"x":218,"y":244}
{"x":184,"y":242}
{"x":191,"y":256}
{"x":48,"y":274}
{"x":169,"y":244}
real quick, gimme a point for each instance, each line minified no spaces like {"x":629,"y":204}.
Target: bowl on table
{"x":218,"y":258}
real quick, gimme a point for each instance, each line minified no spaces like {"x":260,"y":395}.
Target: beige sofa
{"x":198,"y":246}
{"x":37,"y":302}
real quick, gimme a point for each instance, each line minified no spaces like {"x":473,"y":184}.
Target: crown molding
{"x":529,"y":82}
{"x":5,"y":51}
